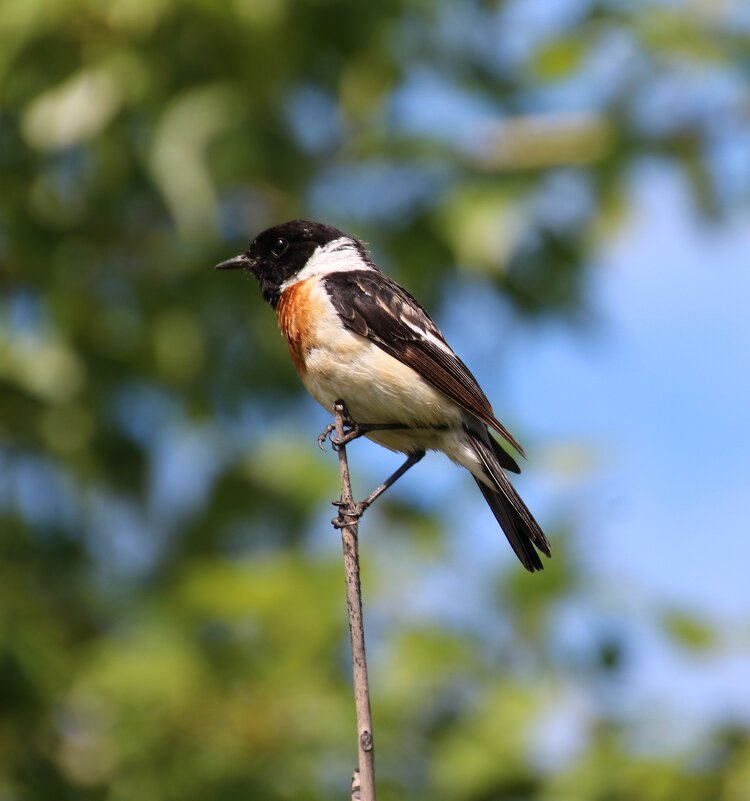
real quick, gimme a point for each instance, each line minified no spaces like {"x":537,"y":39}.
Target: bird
{"x":357,"y":337}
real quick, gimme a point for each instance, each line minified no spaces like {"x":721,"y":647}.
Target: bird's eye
{"x":279,"y":247}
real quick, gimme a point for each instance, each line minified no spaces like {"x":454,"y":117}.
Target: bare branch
{"x":363,"y":782}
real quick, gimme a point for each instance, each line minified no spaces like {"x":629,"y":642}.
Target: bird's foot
{"x":352,"y":431}
{"x":349,"y":513}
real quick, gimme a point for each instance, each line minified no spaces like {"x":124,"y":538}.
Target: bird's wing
{"x":374,"y":306}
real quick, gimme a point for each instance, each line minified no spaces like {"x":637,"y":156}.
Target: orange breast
{"x":295,"y":311}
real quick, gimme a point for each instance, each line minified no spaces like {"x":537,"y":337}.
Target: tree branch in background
{"x":363,"y":782}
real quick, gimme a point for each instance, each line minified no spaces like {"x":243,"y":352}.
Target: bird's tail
{"x":516,"y":521}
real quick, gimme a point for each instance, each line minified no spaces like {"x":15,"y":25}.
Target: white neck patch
{"x":338,"y":256}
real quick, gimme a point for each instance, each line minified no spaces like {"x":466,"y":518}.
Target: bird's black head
{"x":279,"y":253}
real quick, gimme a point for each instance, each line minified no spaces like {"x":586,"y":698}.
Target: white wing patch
{"x":428,"y":335}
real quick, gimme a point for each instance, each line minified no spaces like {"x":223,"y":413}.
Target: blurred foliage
{"x":170,"y":624}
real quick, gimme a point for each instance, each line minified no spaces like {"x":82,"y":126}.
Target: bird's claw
{"x":329,"y":429}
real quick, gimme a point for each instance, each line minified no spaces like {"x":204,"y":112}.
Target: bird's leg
{"x":412,"y":459}
{"x":356,"y":510}
{"x":357,"y":430}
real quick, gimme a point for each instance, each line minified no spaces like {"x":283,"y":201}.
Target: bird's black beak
{"x":241,"y":262}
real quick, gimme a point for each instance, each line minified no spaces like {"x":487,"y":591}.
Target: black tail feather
{"x":519,"y":541}
{"x":522,"y":531}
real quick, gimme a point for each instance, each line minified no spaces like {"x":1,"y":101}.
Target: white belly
{"x":377,"y":388}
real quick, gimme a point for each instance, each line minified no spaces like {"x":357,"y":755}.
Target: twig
{"x":363,"y":782}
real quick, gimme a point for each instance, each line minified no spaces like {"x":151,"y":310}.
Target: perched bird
{"x":355,"y":335}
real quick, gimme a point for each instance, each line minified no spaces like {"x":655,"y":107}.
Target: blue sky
{"x":662,"y":395}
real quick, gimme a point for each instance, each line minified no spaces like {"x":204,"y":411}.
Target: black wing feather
{"x":374,"y":306}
